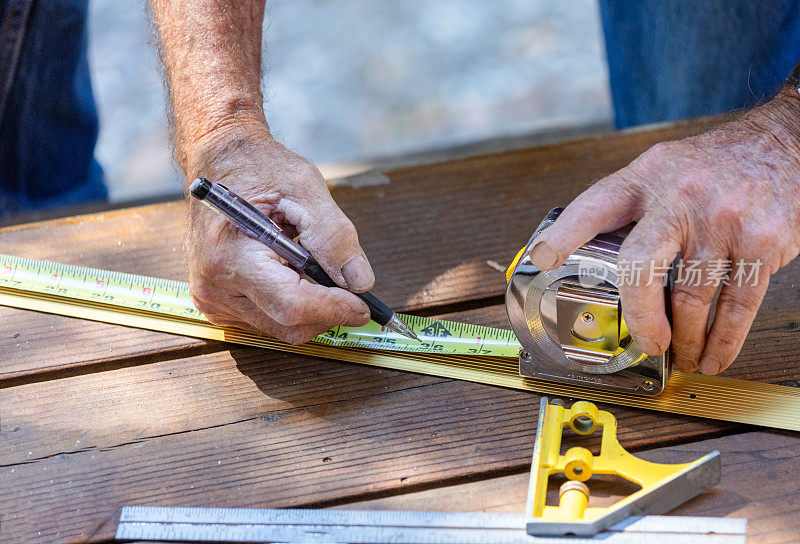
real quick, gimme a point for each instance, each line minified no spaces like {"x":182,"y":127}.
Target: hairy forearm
{"x":211,"y":50}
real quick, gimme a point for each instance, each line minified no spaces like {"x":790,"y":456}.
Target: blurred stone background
{"x":348,"y":80}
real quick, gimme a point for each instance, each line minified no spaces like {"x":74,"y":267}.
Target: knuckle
{"x":764,"y":237}
{"x":643,"y":320}
{"x":338,"y":231}
{"x":657,"y":156}
{"x":724,"y":346}
{"x":216,"y":266}
{"x":691,"y":299}
{"x":337,"y":240}
{"x":742,"y":306}
{"x":689,"y":187}
{"x":307,"y":171}
{"x":347,"y":229}
{"x":289,"y":314}
{"x":728,"y":211}
{"x":662,"y":149}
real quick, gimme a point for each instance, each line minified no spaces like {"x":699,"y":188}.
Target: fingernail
{"x":709,"y":365}
{"x":684,"y":364}
{"x":543,"y":256}
{"x":358,"y":274}
{"x":647,"y":345}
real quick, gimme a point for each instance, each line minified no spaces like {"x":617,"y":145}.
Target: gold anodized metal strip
{"x":713,"y":397}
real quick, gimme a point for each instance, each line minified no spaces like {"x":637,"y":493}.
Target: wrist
{"x":789,"y":100}
{"x":780,"y":118}
{"x":218,"y":135}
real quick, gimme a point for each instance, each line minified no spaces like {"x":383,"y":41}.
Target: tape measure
{"x":176,"y":524}
{"x":452,"y":350}
{"x":172,"y":298}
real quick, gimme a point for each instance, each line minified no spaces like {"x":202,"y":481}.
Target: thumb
{"x":332,"y":240}
{"x":604,"y":206}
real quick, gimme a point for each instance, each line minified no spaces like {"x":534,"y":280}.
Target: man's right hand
{"x":212,"y":54}
{"x":237,"y":281}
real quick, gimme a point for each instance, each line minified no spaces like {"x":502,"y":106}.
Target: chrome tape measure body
{"x":570,"y":322}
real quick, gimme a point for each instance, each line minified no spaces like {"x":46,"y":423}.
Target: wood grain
{"x":37,"y":344}
{"x":194,"y":437}
{"x":258,"y":428}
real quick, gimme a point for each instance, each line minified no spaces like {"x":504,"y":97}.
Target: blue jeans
{"x":48,"y":119}
{"x":676,"y":59}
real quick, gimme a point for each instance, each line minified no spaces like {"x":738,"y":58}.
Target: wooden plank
{"x":453,"y":215}
{"x":257,"y":428}
{"x":39,"y":343}
{"x":758,"y":483}
{"x":98,"y":409}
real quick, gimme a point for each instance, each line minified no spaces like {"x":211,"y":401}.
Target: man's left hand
{"x":731,"y":195}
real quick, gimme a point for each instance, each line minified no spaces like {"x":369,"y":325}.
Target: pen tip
{"x":398,"y":326}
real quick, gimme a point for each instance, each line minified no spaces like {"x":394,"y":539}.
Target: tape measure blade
{"x":436,"y":336}
{"x":172,"y":298}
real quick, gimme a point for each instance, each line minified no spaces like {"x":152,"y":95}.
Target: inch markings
{"x":172,"y":298}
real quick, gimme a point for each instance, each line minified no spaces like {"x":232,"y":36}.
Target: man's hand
{"x":236,"y":281}
{"x":212,"y":53}
{"x":731,"y":194}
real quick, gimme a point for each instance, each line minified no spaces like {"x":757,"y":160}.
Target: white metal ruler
{"x":168,"y":524}
{"x":453,"y":350}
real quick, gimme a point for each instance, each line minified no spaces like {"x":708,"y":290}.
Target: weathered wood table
{"x":95,"y":416}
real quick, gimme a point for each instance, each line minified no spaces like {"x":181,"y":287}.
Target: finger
{"x":644,"y":259}
{"x":692,"y":296}
{"x":258,"y":321}
{"x":242,"y":313}
{"x":327,"y":233}
{"x":292,"y":301}
{"x":608,"y":204}
{"x":737,"y":306}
